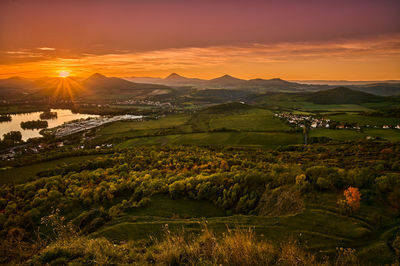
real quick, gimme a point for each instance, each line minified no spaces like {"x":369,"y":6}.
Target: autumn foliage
{"x":353,"y":197}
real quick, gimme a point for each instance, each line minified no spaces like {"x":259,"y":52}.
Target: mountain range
{"x":98,"y":87}
{"x":386,"y":88}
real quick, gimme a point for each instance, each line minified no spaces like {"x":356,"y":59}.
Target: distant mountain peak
{"x":174,"y":76}
{"x":96,"y":76}
{"x":226,"y":77}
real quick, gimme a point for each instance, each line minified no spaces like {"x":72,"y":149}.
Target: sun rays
{"x":64,"y":88}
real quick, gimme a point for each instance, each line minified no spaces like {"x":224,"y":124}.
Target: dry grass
{"x":238,"y":247}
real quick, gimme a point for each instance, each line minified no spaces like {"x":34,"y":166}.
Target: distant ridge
{"x":223,"y":88}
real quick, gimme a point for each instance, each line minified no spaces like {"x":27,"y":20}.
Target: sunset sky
{"x":308,"y":39}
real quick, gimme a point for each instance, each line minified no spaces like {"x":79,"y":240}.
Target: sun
{"x":63,"y":73}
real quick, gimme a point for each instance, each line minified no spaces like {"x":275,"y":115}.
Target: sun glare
{"x":63,"y":74}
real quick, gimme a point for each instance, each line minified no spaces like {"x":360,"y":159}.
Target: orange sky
{"x":336,"y":40}
{"x":377,"y":59}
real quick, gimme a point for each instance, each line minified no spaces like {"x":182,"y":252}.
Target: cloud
{"x":23,"y":54}
{"x":46,"y":49}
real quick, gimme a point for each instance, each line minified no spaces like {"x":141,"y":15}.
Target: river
{"x":63,"y":115}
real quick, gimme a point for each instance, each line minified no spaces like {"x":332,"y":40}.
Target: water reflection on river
{"x":63,"y":115}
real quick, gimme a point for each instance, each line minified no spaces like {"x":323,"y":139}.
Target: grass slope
{"x":25,"y":173}
{"x":320,"y":227}
{"x":266,"y":139}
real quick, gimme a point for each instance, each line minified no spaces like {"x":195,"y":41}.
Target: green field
{"x":365,"y":120}
{"x":266,"y":139}
{"x":164,"y":122}
{"x":25,"y":173}
{"x":312,"y":107}
{"x":336,"y":134}
{"x":239,"y":125}
{"x":387,"y":134}
{"x":392,"y":135}
{"x":251,"y":120}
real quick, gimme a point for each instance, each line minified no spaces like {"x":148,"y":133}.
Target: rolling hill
{"x":342,"y":95}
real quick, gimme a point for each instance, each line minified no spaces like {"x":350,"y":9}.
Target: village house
{"x":60,"y":144}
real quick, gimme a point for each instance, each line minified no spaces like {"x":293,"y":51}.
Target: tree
{"x":353,"y":197}
{"x":14,"y":136}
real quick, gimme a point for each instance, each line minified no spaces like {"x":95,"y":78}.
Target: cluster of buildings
{"x":315,"y":122}
{"x":144,"y":102}
{"x":304,"y":120}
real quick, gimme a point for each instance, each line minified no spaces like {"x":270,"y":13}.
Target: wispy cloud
{"x":23,"y":54}
{"x":46,"y":49}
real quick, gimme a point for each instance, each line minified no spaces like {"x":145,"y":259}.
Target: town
{"x":309,"y":121}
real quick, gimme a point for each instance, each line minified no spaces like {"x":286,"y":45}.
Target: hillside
{"x":136,"y":201}
{"x":98,"y":82}
{"x":342,"y":95}
{"x":96,"y":87}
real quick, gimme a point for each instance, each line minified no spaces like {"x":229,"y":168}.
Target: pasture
{"x":365,"y":120}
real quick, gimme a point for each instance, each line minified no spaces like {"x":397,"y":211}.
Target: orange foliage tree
{"x":353,"y":197}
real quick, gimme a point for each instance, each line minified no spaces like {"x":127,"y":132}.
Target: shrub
{"x":353,"y":197}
